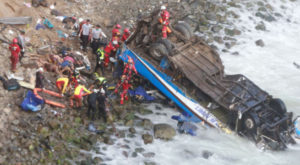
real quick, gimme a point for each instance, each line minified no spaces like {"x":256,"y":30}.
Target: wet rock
{"x":15,"y":122}
{"x":206,"y":154}
{"x":134,"y":155}
{"x":54,"y":124}
{"x":139,"y":150}
{"x":216,"y":28}
{"x":128,"y":123}
{"x":97,"y":160}
{"x":260,"y":43}
{"x":147,"y":138}
{"x":145,"y":111}
{"x":211,"y":16}
{"x":266,"y":17}
{"x":125,"y":154}
{"x":132,"y":130}
{"x":218,"y":39}
{"x":149,"y":163}
{"x":260,"y":26}
{"x":235,"y":53}
{"x":108,"y":140}
{"x":149,"y":154}
{"x":164,"y":131}
{"x":232,"y":32}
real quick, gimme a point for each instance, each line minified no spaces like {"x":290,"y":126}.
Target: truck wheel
{"x":251,"y":122}
{"x":158,"y":51}
{"x":187,"y":26}
{"x":167,"y":43}
{"x":278,"y":105}
{"x":183,"y":30}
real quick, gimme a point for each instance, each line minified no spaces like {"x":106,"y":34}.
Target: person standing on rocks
{"x":100,"y":59}
{"x":116,"y":32}
{"x":92,"y":104}
{"x":77,"y":96}
{"x":39,"y":81}
{"x":15,"y":52}
{"x":97,"y":36}
{"x":126,"y":34}
{"x":21,"y":43}
{"x":102,"y":105}
{"x":125,"y":85}
{"x":164,"y":20}
{"x":84,"y":33}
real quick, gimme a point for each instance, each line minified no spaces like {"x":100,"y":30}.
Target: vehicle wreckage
{"x":196,"y":68}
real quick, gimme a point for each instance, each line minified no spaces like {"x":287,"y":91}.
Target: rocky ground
{"x":48,"y":138}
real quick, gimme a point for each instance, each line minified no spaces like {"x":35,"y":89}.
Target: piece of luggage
{"x":11,"y":84}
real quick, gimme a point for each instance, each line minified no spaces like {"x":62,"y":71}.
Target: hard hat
{"x":40,"y":70}
{"x":126,"y":30}
{"x":102,"y":91}
{"x":118,"y":26}
{"x":163,"y":7}
{"x":15,"y":40}
{"x":114,"y":42}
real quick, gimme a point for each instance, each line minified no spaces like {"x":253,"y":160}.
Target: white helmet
{"x":163,"y":7}
{"x":102,"y":91}
{"x":115,"y":42}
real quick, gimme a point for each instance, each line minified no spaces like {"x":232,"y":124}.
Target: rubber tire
{"x":158,"y":51}
{"x":183,"y":30}
{"x":167,"y":43}
{"x":187,"y":26}
{"x":278,"y":105}
{"x":250,"y":123}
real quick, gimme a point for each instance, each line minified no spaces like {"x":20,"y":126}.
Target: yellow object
{"x":66,"y":82}
{"x":79,"y":89}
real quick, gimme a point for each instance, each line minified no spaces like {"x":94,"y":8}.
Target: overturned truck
{"x":197,"y":68}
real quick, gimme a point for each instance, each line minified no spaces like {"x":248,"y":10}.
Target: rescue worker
{"x":77,"y":96}
{"x":126,"y":34}
{"x":39,"y":81}
{"x":97,"y":35}
{"x":21,"y":43}
{"x":102,"y":105}
{"x":63,"y":84}
{"x":129,"y":67}
{"x":110,"y":50}
{"x":125,"y":85}
{"x":116,"y":31}
{"x":100,"y":59}
{"x":76,"y":78}
{"x":15,"y":51}
{"x":84,"y":33}
{"x":92,"y":104}
{"x":164,"y":20}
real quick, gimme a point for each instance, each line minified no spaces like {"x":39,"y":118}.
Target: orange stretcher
{"x":57,"y":104}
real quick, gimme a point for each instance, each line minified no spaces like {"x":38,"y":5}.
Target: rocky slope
{"x":48,"y":138}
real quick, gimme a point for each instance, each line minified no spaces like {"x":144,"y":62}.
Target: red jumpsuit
{"x":15,"y":50}
{"x":115,"y":32}
{"x":129,"y":67}
{"x":125,"y":36}
{"x":125,"y":87}
{"x":110,"y":48}
{"x":164,"y":20}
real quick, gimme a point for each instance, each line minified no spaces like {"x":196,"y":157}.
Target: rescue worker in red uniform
{"x":15,"y":51}
{"x":124,"y":83}
{"x":129,"y":67}
{"x":116,"y":32}
{"x":126,"y":34}
{"x":164,"y":20}
{"x":110,"y":51}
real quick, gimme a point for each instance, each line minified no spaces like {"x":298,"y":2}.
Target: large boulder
{"x":164,"y":131}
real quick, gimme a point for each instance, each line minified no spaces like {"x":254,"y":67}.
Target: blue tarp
{"x":31,"y":102}
{"x":140,"y":91}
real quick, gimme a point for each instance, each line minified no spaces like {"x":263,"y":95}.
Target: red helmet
{"x":15,"y":40}
{"x":118,"y":26}
{"x":126,"y":30}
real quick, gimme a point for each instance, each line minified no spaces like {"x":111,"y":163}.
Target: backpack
{"x":11,"y":84}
